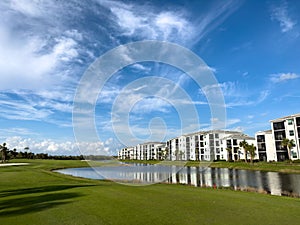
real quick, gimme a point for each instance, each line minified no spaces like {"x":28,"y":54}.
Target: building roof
{"x":213,"y":132}
{"x":265,"y":132}
{"x":154,"y":142}
{"x":285,"y":118}
{"x":207,"y":132}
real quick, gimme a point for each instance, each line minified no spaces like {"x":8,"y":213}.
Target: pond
{"x":140,"y":174}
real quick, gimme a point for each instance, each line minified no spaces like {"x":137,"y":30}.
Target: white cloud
{"x":228,"y":89}
{"x":18,"y":110}
{"x":235,"y":94}
{"x":30,"y":8}
{"x":140,"y":67}
{"x":281,"y":77}
{"x":59,"y":148}
{"x":281,"y":14}
{"x":149,"y":105}
{"x":16,"y":131}
{"x":24,"y":64}
{"x":217,"y":123}
{"x":143,"y":23}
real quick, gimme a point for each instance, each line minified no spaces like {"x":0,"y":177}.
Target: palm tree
{"x":229,"y":154}
{"x":166,"y":153}
{"x":181,"y":153}
{"x":251,"y":149}
{"x":289,"y":144}
{"x":3,"y":149}
{"x":243,"y":145}
{"x":176,"y":153}
{"x":197,"y":152}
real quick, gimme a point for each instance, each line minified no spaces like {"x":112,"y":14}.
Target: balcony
{"x":298,"y":121}
{"x":279,"y":146}
{"x":279,"y":135}
{"x":235,"y":142}
{"x":278,"y":126}
{"x":261,"y":138}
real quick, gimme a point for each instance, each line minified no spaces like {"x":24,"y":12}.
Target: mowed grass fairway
{"x":33,"y":194}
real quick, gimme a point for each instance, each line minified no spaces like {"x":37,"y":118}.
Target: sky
{"x":252,"y":48}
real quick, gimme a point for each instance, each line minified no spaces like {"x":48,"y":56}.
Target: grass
{"x":282,"y":167}
{"x":33,"y":194}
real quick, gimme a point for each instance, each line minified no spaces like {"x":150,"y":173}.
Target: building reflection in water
{"x":271,"y":182}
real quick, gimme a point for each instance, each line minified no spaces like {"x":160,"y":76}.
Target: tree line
{"x":8,"y":154}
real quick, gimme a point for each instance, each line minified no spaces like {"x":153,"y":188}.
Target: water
{"x":270,"y":182}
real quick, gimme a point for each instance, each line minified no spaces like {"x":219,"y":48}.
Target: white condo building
{"x":207,"y":145}
{"x":223,"y":145}
{"x":233,"y":142}
{"x":286,"y":127}
{"x":264,"y":145}
{"x":145,"y":151}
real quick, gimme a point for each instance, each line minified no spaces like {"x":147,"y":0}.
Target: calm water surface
{"x":271,"y":182}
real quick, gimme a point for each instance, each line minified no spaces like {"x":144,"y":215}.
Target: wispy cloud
{"x":282,"y":77}
{"x":149,"y":105}
{"x":60,"y":148}
{"x":236,"y":94}
{"x":143,"y":21}
{"x":281,"y":14}
{"x":17,"y":131}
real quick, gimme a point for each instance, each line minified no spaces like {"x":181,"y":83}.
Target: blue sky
{"x":252,"y":47}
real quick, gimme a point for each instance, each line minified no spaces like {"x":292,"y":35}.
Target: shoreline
{"x":280,"y":167}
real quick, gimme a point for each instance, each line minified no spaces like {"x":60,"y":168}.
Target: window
{"x":278,"y":126}
{"x":260,"y":138}
{"x":291,"y":133}
{"x":235,"y":142}
{"x":294,"y":154}
{"x":216,"y":135}
{"x":290,"y":121}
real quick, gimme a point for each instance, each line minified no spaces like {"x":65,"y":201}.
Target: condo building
{"x":145,"y":151}
{"x":207,"y":145}
{"x":125,"y":153}
{"x":286,"y":127}
{"x":264,"y":146}
{"x":223,"y":145}
{"x":234,"y":152}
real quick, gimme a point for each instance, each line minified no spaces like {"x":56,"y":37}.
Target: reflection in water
{"x":271,"y":182}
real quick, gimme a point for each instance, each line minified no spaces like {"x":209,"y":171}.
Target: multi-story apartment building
{"x":126,"y":153}
{"x":286,"y":127}
{"x":145,"y":151}
{"x":223,"y":145}
{"x":264,"y":145}
{"x":231,"y":144}
{"x":207,"y":145}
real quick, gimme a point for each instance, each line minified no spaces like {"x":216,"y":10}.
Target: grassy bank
{"x":283,"y":167}
{"x":33,"y":194}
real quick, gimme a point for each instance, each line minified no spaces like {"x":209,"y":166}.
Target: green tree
{"x":289,"y":144}
{"x":243,"y":145}
{"x":229,"y":154}
{"x":251,"y":149}
{"x":177,"y":153}
{"x":181,"y":153}
{"x":197,"y":151}
{"x":4,"y":150}
{"x":165,"y":153}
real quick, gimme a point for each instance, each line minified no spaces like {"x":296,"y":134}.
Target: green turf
{"x":33,"y":194}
